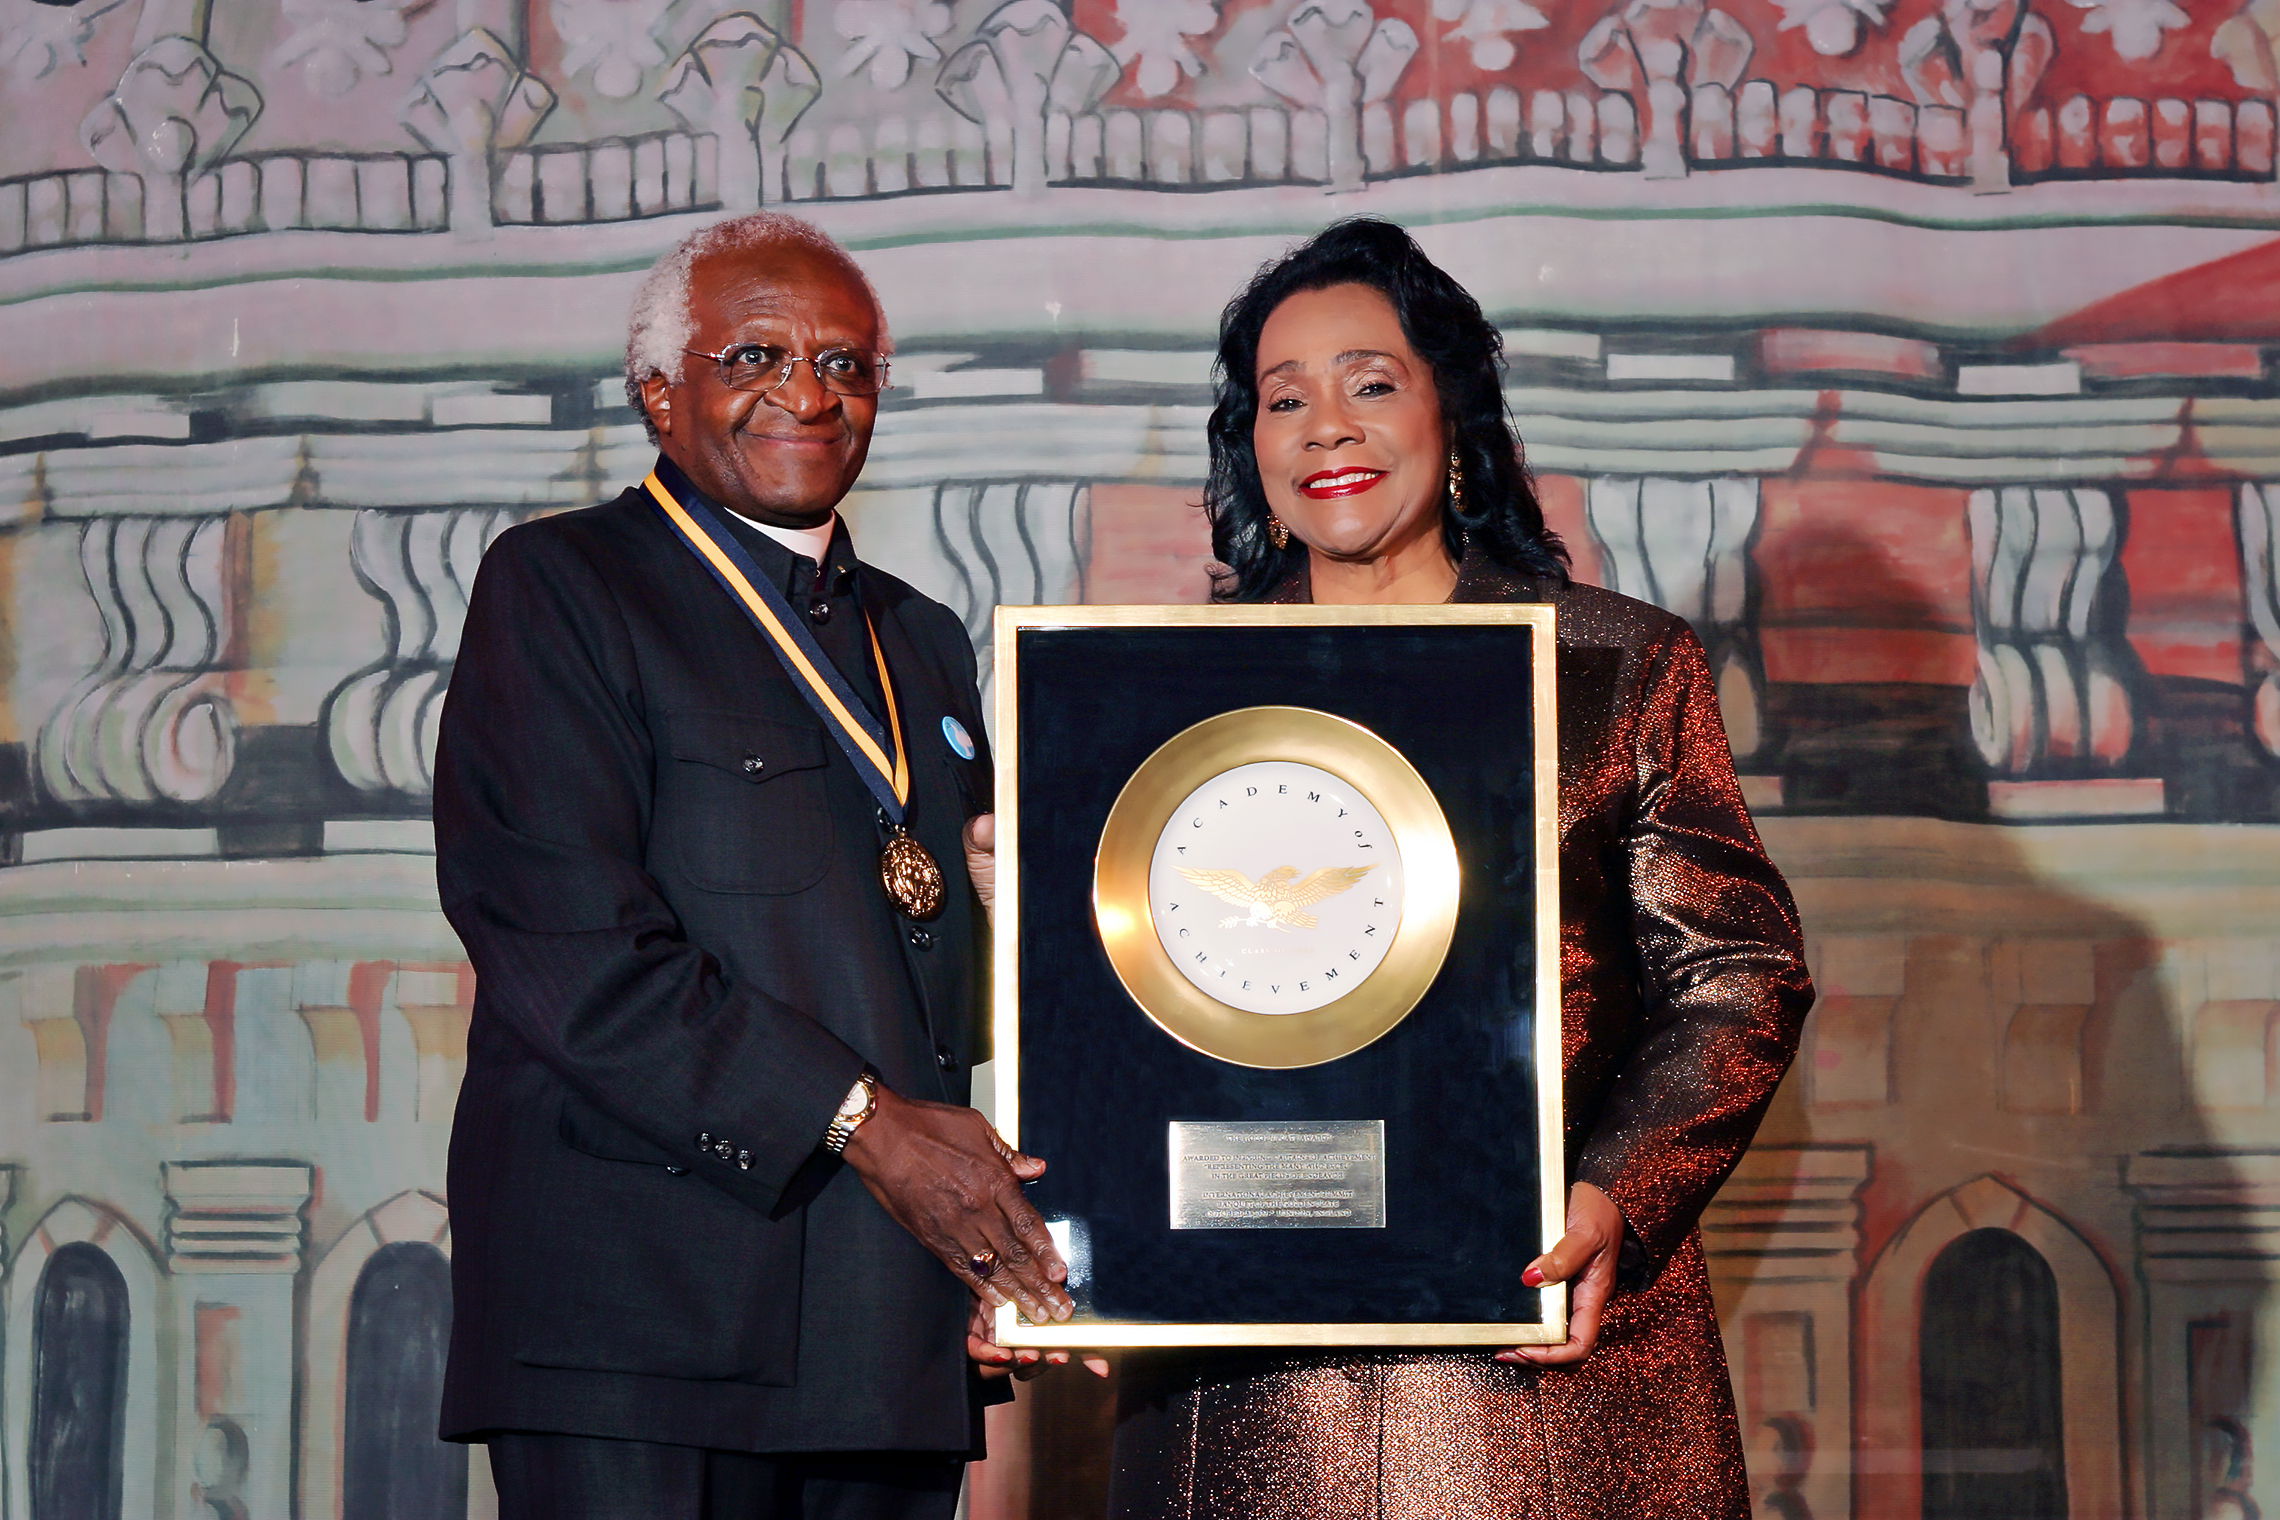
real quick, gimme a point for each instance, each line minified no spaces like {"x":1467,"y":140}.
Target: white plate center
{"x":1276,"y":887}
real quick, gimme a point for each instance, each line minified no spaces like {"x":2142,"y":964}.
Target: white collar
{"x":813,"y":542}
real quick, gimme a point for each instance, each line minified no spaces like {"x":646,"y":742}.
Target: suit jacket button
{"x":820,"y":612}
{"x":676,"y":1171}
{"x":754,"y":765}
{"x":744,"y":1161}
{"x":704,"y":1140}
{"x":723,"y":1149}
{"x":921,"y":938}
{"x":944,"y":1059}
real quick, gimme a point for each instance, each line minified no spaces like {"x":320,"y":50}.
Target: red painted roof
{"x":2235,"y":299}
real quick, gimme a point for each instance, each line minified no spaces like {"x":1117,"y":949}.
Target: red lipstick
{"x":1346,"y":480}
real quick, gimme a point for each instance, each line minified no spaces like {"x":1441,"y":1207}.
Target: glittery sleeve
{"x":1720,"y":963}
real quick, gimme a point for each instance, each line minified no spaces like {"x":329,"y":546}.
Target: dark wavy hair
{"x":1501,"y":516}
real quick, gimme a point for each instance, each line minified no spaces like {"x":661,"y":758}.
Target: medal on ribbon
{"x":912,"y":880}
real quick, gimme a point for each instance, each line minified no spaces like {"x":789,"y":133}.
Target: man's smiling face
{"x":784,"y":456}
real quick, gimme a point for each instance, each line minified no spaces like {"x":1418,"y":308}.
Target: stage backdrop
{"x":1914,"y":350}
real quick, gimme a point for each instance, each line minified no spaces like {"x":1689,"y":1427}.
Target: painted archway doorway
{"x":1990,"y":1383}
{"x":79,"y":1388}
{"x":399,"y":1329}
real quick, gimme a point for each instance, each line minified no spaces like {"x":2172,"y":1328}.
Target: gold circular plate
{"x":1124,"y":915}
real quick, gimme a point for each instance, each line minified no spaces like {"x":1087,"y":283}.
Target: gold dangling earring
{"x":1277,"y":534}
{"x":1456,"y":483}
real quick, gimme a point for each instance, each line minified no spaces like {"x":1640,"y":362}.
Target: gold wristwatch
{"x":861,"y":1102}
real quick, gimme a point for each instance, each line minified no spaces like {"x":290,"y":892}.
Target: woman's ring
{"x":982,"y":1264}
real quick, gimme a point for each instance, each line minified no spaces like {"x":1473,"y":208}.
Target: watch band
{"x":848,"y":1120}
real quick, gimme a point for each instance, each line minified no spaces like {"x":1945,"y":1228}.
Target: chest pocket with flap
{"x":741,"y":807}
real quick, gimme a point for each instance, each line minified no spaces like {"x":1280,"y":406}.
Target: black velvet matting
{"x":1454,"y":1082}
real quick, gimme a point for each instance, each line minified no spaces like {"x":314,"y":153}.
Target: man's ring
{"x":982,"y":1264}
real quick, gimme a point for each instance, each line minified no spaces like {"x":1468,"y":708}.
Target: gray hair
{"x":657,"y":330}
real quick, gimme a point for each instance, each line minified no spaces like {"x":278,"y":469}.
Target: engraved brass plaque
{"x":1278,"y":1175}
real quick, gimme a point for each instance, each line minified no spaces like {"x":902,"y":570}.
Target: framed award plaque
{"x":1277,"y":971}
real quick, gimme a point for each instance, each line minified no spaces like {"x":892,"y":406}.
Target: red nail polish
{"x":1532,"y":1278}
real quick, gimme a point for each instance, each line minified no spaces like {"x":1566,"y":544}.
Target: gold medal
{"x":912,"y":879}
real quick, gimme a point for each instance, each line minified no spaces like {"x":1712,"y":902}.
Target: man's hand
{"x":981,"y":860}
{"x":1023,"y":1362}
{"x":1586,"y":1256}
{"x":944,"y":1175}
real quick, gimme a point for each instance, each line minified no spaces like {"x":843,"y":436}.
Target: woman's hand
{"x":1585,"y":1256}
{"x":981,"y":860}
{"x":1023,"y":1362}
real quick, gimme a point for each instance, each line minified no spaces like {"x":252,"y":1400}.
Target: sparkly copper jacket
{"x":1683,"y":993}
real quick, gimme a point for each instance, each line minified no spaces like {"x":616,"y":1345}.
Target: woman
{"x":1360,"y":452}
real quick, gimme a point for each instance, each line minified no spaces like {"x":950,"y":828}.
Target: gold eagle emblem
{"x":1274,"y":900}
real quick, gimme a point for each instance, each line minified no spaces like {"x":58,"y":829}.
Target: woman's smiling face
{"x":1352,"y":450}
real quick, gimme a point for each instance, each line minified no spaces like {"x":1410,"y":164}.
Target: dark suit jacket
{"x":673,"y":941}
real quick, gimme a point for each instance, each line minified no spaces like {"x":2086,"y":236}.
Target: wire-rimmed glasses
{"x":764,"y":366}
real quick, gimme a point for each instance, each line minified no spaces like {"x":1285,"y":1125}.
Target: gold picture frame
{"x":1550,"y":1327}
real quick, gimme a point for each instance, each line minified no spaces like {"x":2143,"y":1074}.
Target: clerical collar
{"x":813,"y":543}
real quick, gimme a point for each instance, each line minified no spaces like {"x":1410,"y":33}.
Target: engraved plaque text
{"x":1280,"y":1175}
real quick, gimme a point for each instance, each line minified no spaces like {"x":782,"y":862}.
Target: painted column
{"x":1335,"y":58}
{"x":1989,"y":54}
{"x":172,"y":18}
{"x":380,"y":723}
{"x":1685,"y":546}
{"x":2259,"y":527}
{"x":153,"y":720}
{"x":7,"y":1196}
{"x":2207,"y":1255}
{"x":1783,"y":1239}
{"x":2053,"y":711}
{"x":1668,"y":56}
{"x":747,"y":87}
{"x":234,"y":1239}
{"x":175,"y":113}
{"x":1024,"y":65}
{"x":1012,"y":542}
{"x":507,"y":20}
{"x":474,"y":102}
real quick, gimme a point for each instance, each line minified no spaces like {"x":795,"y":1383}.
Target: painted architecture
{"x":1917,"y":351}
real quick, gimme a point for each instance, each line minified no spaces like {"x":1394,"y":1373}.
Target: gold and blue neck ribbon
{"x":875,"y":749}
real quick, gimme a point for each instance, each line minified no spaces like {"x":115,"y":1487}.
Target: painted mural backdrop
{"x":1917,"y":351}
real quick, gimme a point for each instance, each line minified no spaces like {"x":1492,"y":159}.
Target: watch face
{"x":1276,"y":887}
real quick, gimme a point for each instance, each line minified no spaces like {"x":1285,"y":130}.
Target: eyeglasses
{"x":764,"y":366}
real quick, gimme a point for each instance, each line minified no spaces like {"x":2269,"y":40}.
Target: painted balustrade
{"x":1754,"y":124}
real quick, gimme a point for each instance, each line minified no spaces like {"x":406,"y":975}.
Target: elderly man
{"x":719,"y":1212}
